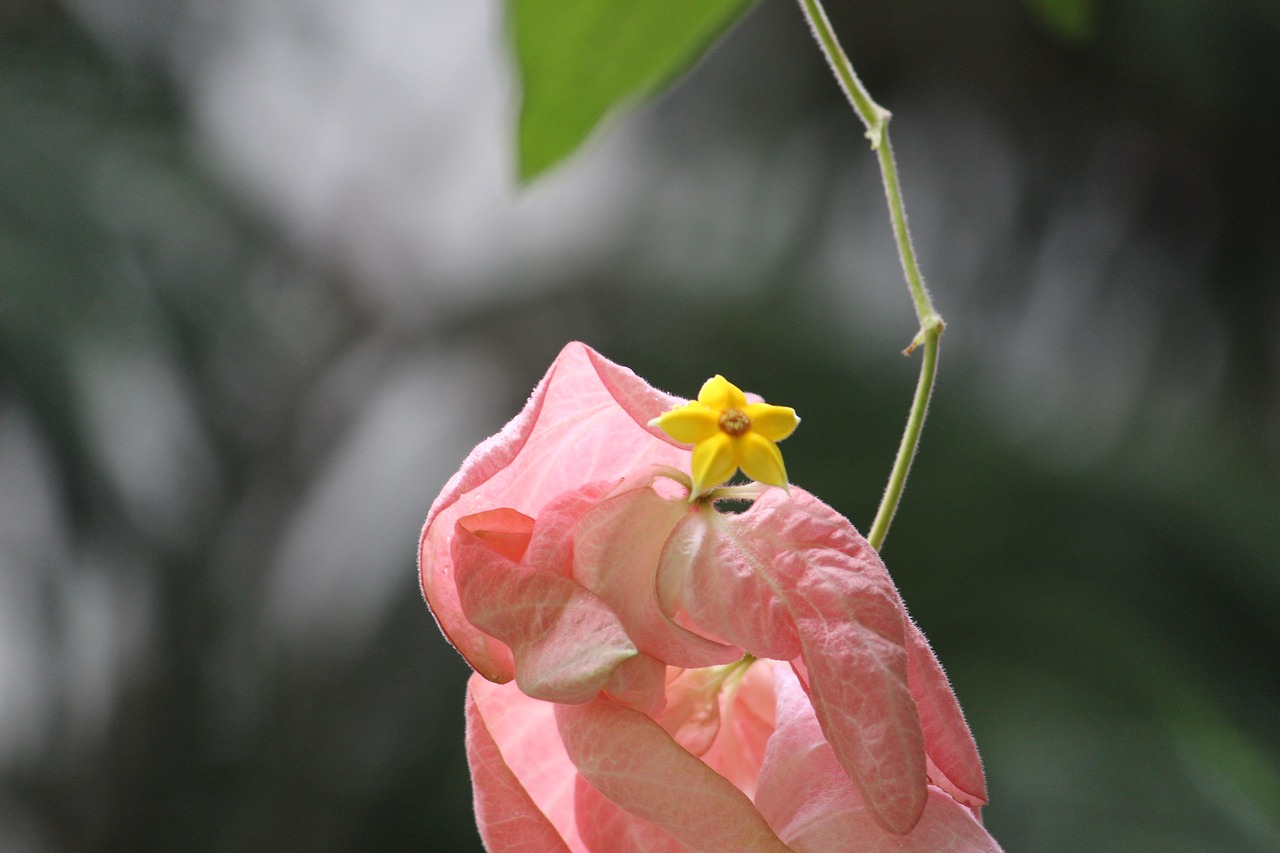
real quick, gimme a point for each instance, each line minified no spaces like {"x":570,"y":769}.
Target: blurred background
{"x":265,"y":278}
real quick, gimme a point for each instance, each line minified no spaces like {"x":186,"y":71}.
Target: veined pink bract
{"x":684,"y":679}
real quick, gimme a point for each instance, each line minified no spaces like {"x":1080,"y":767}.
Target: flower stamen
{"x":734,"y":422}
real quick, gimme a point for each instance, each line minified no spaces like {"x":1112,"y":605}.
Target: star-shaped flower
{"x":728,"y":432}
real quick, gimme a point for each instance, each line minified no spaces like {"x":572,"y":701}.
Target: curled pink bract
{"x":584,"y":423}
{"x":654,"y":674}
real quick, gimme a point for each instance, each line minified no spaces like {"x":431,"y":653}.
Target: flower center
{"x":734,"y":422}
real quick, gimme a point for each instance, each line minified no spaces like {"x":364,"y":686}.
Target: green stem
{"x":910,"y":441}
{"x":876,"y":118}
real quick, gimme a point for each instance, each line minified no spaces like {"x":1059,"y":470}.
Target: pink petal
{"x":521,"y":778}
{"x":629,"y":759}
{"x":724,"y":721}
{"x":816,"y":809}
{"x":585,"y":422}
{"x":504,"y":530}
{"x":566,"y":641}
{"x":609,"y":829}
{"x":949,"y":747}
{"x":551,"y":546}
{"x":616,"y":556}
{"x":708,"y":571}
{"x":746,"y":724}
{"x":792,"y":575}
{"x":953,"y":756}
{"x":692,"y":711}
{"x":639,"y":683}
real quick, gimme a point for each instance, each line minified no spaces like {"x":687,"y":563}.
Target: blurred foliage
{"x":1072,"y":19}
{"x":579,"y":58}
{"x":1105,"y":602}
{"x":113,"y":240}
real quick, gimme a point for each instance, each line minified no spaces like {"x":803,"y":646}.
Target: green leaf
{"x":578,"y":59}
{"x":1070,"y":19}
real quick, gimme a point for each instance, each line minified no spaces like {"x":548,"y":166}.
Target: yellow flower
{"x":729,"y":433}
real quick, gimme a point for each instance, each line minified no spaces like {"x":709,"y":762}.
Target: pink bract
{"x":585,"y":422}
{"x":684,"y":679}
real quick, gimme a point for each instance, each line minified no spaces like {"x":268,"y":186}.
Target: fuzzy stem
{"x":876,"y":119}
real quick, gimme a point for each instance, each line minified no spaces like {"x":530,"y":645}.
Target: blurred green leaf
{"x":580,"y":58}
{"x":1231,"y":771}
{"x":1070,"y":19}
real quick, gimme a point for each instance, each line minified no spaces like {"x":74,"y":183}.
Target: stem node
{"x":876,"y":118}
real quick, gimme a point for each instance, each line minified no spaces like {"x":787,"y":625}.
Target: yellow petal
{"x":689,"y":424}
{"x":773,"y":422}
{"x":761,"y":460}
{"x":719,"y":394}
{"x":714,"y":461}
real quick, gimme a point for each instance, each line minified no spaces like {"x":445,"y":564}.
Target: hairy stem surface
{"x":876,"y":119}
